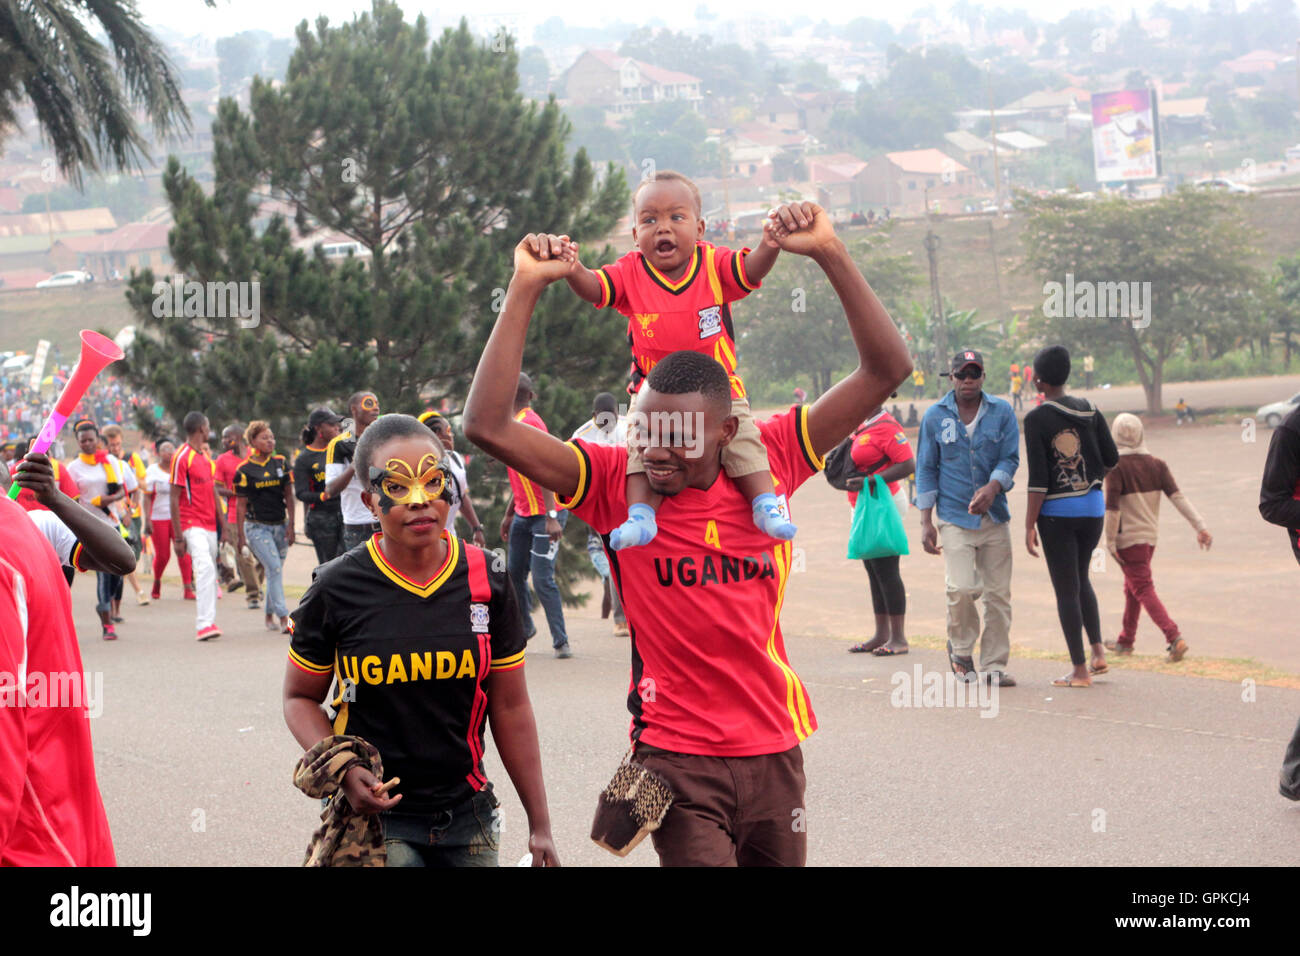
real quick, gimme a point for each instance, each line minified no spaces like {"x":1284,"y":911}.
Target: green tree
{"x":409,"y":150}
{"x":794,"y":326}
{"x":1188,"y":253}
{"x":673,"y":136}
{"x":1286,"y":290}
{"x":86,"y":93}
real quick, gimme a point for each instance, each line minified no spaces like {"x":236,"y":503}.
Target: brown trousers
{"x":731,"y":811}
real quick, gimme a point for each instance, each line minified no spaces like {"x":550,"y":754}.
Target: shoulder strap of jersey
{"x":480,"y":590}
{"x":711,"y":267}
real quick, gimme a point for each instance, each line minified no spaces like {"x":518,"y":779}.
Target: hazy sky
{"x":280,"y":17}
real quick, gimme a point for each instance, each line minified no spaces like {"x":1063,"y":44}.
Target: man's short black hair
{"x":193,"y":422}
{"x":524,"y":391}
{"x":1052,"y":365}
{"x":354,"y":400}
{"x":604,"y":402}
{"x":684,"y":372}
{"x":385,"y":428}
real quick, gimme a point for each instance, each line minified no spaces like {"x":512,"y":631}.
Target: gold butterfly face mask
{"x":397,"y":484}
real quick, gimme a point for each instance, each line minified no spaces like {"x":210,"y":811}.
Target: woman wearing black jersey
{"x":425,"y":641}
{"x":323,"y":518}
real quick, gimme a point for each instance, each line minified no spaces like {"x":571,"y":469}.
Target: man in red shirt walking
{"x":194,"y":519}
{"x":250,"y":571}
{"x":533,"y":526}
{"x":717,"y":710}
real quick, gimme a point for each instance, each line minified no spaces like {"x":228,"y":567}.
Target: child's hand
{"x":802,"y":227}
{"x":769,"y":235}
{"x":543,"y":257}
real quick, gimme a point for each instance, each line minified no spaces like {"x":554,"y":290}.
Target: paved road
{"x":194,"y":759}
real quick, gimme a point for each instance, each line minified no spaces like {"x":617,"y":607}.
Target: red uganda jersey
{"x":227,"y":464}
{"x":880,"y":442}
{"x":693,"y":313}
{"x":703,"y":602}
{"x":51,"y":813}
{"x":67,"y":484}
{"x":529,"y":500}
{"x":192,"y":470}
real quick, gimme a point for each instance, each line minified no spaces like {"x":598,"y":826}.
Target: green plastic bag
{"x":877,"y":530}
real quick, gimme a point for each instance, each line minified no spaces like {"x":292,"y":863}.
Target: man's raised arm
{"x":489,"y":420}
{"x":883,"y":361}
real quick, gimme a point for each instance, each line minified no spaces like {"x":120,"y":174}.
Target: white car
{"x":1227,"y":185}
{"x":1273,"y":414}
{"x":59,"y":279}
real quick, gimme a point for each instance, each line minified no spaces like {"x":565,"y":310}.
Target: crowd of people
{"x":411,"y":639}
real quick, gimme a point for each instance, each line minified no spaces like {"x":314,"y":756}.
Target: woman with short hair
{"x":1069,"y":449}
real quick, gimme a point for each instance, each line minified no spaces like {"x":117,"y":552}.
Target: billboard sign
{"x":1124,"y":136}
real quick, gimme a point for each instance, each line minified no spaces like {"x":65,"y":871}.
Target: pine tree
{"x":428,"y":159}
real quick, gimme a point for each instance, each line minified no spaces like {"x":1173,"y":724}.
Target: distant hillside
{"x":966,"y":274}
{"x":59,"y":314}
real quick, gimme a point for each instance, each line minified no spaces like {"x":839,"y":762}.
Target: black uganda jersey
{"x":412,"y":661}
{"x":309,"y":481}
{"x":262,"y":483}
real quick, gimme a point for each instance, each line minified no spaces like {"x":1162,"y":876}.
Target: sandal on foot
{"x":1177,"y":649}
{"x":1070,"y":682}
{"x":866,"y":647}
{"x":888,"y":652}
{"x":966,"y":664}
{"x":1103,"y":669}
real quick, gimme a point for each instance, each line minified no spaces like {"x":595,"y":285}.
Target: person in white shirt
{"x":606,"y":427}
{"x":158,"y":521}
{"x":103,"y":482}
{"x":80,"y":540}
{"x":459,"y":487}
{"x":340,"y":480}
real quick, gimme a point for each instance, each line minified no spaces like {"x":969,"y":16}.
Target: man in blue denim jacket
{"x":966,"y":459}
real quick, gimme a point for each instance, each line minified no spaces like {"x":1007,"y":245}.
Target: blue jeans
{"x":530,"y":550}
{"x":466,"y":835}
{"x":108,"y":588}
{"x":600,"y":561}
{"x":267,"y":542}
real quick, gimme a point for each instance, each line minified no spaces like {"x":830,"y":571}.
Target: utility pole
{"x":931,"y":244}
{"x":993,"y":135}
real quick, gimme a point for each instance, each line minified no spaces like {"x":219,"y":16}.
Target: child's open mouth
{"x":665,"y":247}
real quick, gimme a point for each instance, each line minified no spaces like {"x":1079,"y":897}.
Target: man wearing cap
{"x":966,"y":457}
{"x":323,"y":516}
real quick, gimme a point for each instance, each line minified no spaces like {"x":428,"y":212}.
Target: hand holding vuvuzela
{"x":97,"y":351}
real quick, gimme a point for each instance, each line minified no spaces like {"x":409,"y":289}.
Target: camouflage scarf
{"x":346,"y":838}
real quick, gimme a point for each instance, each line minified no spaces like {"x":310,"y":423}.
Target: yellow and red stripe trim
{"x":402,"y":581}
{"x":738,"y":271}
{"x":78,"y":551}
{"x":606,"y":288}
{"x":302,"y":663}
{"x":818,"y":462}
{"x":795,"y":700}
{"x":676,"y":288}
{"x":511,"y":663}
{"x":584,"y":479}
